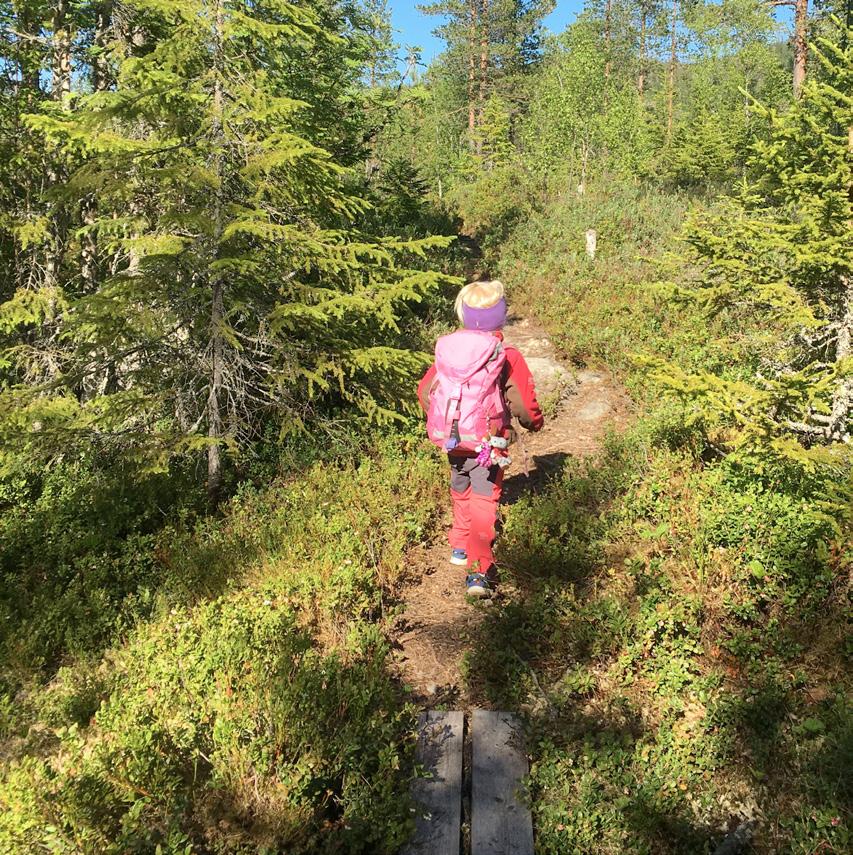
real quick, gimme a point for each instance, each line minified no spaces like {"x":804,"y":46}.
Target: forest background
{"x":229,"y":233}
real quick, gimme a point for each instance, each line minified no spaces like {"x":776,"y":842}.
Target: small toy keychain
{"x":484,"y":453}
{"x":488,"y":452}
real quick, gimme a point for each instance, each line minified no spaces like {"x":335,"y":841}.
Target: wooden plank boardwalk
{"x":439,"y":797}
{"x":501,"y":823}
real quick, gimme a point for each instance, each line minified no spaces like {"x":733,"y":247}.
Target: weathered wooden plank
{"x":501,"y":824}
{"x":439,"y":797}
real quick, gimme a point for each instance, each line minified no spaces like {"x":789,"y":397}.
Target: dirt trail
{"x":439,"y":624}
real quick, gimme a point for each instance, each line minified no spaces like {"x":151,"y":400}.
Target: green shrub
{"x":678,"y":640}
{"x":600,"y":310}
{"x":492,"y":205}
{"x":246,"y":707}
{"x":652,"y":701}
{"x":225,"y":728}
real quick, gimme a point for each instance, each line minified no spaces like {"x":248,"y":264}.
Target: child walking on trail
{"x":471,"y":391}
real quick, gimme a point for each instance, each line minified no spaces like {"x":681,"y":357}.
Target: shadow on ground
{"x":542,"y":468}
{"x":644,"y":737}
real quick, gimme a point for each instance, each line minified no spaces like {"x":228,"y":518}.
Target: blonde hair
{"x":479,"y":295}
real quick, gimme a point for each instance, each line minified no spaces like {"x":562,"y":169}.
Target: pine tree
{"x":491,"y":44}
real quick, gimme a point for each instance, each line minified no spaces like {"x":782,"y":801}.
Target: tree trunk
{"x":61,"y":72}
{"x":102,"y":77}
{"x":60,"y":92}
{"x":584,"y":161}
{"x":608,"y":10}
{"x":801,"y":19}
{"x":484,"y":66}
{"x":214,"y":411}
{"x":89,"y":244}
{"x":217,"y":312}
{"x":673,"y":61}
{"x":842,"y":400}
{"x":26,"y":53}
{"x":101,"y":80}
{"x":641,"y":77}
{"x":412,"y":67}
{"x":472,"y":73}
{"x":28,"y":92}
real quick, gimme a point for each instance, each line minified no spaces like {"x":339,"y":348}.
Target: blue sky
{"x":414,"y":28}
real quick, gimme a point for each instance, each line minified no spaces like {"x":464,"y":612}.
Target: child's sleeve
{"x":424,"y":387}
{"x":521,"y":392}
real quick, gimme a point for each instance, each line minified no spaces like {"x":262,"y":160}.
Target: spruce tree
{"x":780,"y":250}
{"x":731,"y":62}
{"x":239,"y":285}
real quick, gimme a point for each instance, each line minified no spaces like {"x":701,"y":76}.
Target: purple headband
{"x":489,"y":319}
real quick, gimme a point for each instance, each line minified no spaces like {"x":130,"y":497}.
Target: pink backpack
{"x":466,"y":398}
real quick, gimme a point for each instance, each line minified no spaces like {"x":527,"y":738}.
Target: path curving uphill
{"x":438,"y":624}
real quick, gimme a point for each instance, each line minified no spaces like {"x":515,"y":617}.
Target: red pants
{"x":476,"y":492}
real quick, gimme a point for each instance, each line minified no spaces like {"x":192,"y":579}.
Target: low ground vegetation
{"x":679,"y":641}
{"x":211,"y":684}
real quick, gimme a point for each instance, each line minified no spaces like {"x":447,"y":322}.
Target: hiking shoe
{"x":459,"y":557}
{"x":478,"y":585}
